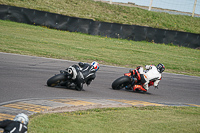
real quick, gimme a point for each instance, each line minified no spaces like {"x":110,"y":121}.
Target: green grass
{"x":119,"y":120}
{"x":40,"y":41}
{"x":99,"y":11}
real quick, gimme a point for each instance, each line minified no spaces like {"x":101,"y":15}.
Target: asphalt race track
{"x":24,"y":77}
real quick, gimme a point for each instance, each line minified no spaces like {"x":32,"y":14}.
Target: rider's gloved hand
{"x":80,"y":64}
{"x":131,"y":71}
{"x":88,"y":82}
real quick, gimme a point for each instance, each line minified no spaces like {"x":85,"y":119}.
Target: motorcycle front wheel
{"x":121,"y":82}
{"x":56,"y":80}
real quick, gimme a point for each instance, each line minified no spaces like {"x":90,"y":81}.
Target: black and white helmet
{"x":21,"y":118}
{"x":160,"y":67}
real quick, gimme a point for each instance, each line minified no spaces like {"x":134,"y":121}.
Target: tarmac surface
{"x":23,"y":89}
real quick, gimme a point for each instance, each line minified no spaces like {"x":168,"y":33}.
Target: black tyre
{"x":121,"y":82}
{"x":56,"y":80}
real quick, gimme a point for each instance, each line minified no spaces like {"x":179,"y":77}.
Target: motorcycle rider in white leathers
{"x":151,"y":73}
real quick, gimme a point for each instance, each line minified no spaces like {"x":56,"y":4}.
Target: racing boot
{"x":139,"y":88}
{"x":79,"y":82}
{"x":79,"y":87}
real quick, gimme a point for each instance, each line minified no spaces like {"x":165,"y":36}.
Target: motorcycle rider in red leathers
{"x":151,"y":73}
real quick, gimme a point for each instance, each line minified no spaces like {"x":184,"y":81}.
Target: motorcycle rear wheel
{"x":56,"y":80}
{"x":121,"y":82}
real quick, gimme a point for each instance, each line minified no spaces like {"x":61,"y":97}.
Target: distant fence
{"x":182,"y":7}
{"x":88,"y":26}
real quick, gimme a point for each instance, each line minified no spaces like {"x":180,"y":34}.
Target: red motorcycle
{"x":130,"y":81}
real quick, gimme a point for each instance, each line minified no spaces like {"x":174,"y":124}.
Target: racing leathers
{"x":151,"y":73}
{"x":11,"y":126}
{"x":82,"y":73}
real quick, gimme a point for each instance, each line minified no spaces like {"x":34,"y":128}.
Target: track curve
{"x":24,"y":77}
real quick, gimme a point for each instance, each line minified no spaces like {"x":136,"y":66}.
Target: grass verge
{"x":40,"y":41}
{"x":99,"y":11}
{"x":118,"y":120}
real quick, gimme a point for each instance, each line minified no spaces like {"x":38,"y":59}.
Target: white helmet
{"x":95,"y":65}
{"x":22,"y":118}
